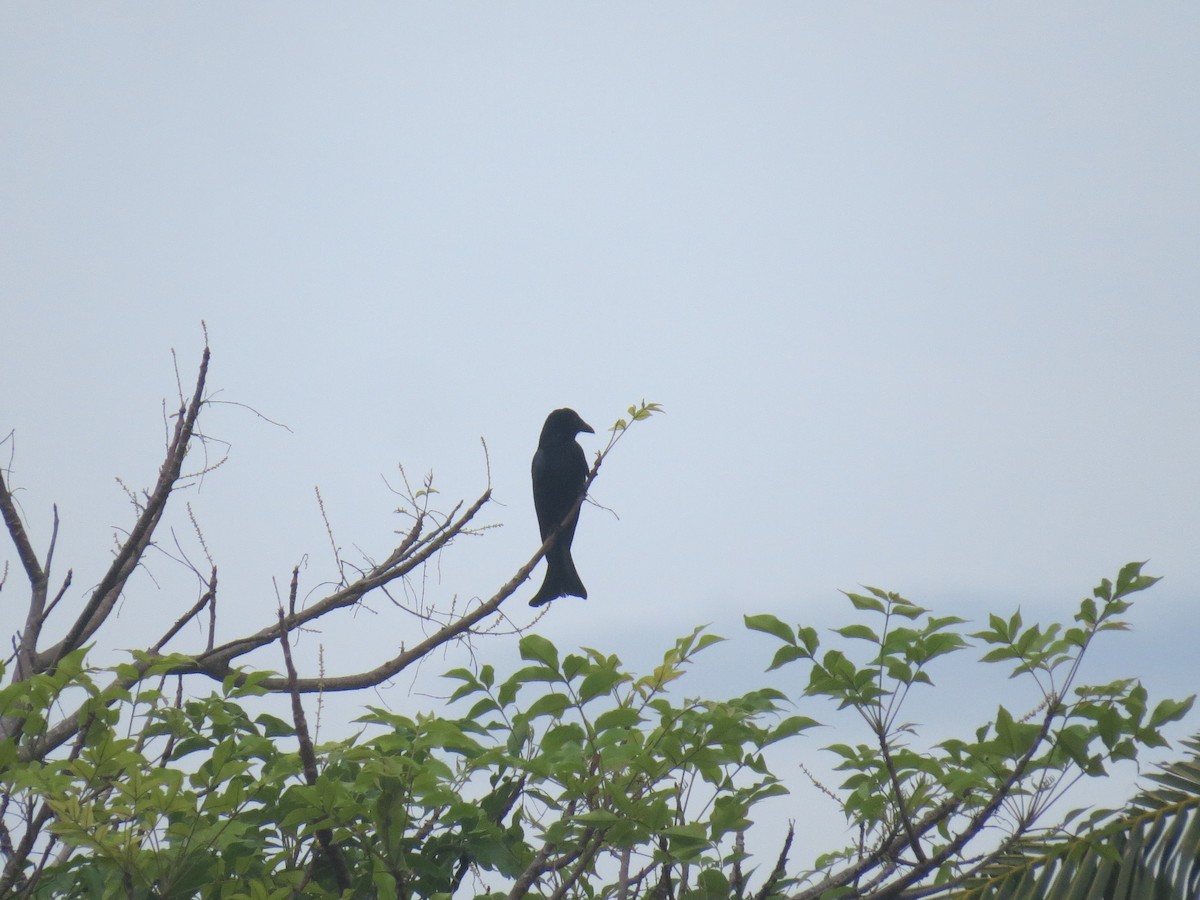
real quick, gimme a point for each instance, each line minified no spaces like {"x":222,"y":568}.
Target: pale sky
{"x":916,"y":285}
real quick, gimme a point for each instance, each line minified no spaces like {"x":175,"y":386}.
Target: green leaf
{"x":769,"y":624}
{"x":597,"y":682}
{"x":621,"y":717}
{"x":1130,"y":579}
{"x":789,"y":727}
{"x":686,"y":835}
{"x":562,"y":734}
{"x":1088,"y":613}
{"x":808,"y":637}
{"x":485,"y":705}
{"x":537,"y":648}
{"x":1170,"y":711}
{"x":1014,"y":624}
{"x":898,"y":671}
{"x":548,"y":705}
{"x":273,"y":726}
{"x":867,"y":603}
{"x":999,"y":654}
{"x":465,"y":690}
{"x":707,"y":640}
{"x":785,"y":655}
{"x":713,"y":883}
{"x":598,"y":817}
{"x":859,"y":632}
{"x":572,"y":665}
{"x":518,"y":736}
{"x":531,"y":673}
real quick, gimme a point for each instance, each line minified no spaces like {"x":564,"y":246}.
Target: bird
{"x":559,"y":474}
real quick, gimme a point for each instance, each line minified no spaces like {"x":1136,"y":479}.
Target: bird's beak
{"x":586,"y":427}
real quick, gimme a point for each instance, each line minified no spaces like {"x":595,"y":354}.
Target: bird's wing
{"x":559,"y":472}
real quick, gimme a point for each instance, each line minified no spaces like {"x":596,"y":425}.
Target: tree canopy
{"x":568,"y":775}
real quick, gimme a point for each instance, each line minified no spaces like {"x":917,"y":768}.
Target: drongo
{"x":559,"y":472}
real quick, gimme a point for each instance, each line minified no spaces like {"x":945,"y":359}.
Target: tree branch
{"x":888,"y":850}
{"x":209,"y":596}
{"x":216,"y":662}
{"x":105,"y":596}
{"x":308,"y":756}
{"x":20,"y":539}
{"x":780,"y":871}
{"x":905,"y":819}
{"x":980,"y":818}
{"x":39,"y":578}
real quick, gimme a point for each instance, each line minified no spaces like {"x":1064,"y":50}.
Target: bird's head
{"x":565,"y":423}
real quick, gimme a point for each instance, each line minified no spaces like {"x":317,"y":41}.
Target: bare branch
{"x":35,"y":618}
{"x":53,"y":541}
{"x":216,"y":662}
{"x":104,"y":597}
{"x":337,"y":556}
{"x":209,"y":596}
{"x":267,"y":419}
{"x":62,"y":590}
{"x":414,"y":550}
{"x":452,"y":630}
{"x":20,"y":539}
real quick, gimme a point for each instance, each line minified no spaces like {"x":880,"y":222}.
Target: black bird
{"x":559,"y":472}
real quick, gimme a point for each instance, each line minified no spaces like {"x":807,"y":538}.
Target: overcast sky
{"x":916,"y":285}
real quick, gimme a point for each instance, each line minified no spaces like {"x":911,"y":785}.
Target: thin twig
{"x":209,"y":596}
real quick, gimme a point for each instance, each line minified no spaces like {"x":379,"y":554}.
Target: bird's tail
{"x":561,"y":581}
